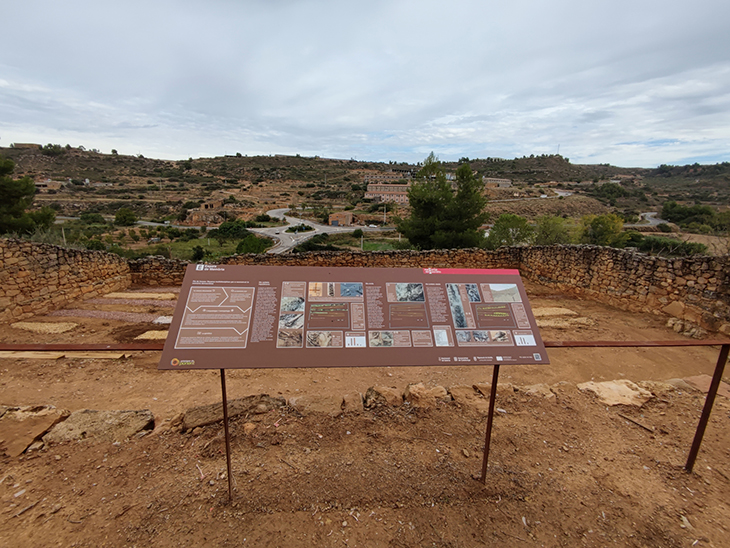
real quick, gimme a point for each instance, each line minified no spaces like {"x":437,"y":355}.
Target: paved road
{"x":647,"y":219}
{"x":110,"y":218}
{"x":285,"y":240}
{"x":559,"y":194}
{"x":289,"y":240}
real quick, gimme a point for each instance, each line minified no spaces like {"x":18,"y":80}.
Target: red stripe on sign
{"x":485,"y":271}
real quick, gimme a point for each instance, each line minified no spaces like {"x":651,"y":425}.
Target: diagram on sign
{"x":216,"y":317}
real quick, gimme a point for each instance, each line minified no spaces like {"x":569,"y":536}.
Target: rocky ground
{"x":566,"y":468}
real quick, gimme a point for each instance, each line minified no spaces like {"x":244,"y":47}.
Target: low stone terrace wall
{"x":38,"y":278}
{"x":696,"y":289}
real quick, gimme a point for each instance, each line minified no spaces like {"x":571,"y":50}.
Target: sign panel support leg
{"x":709,"y":401}
{"x":228,"y":437}
{"x":490,"y":417}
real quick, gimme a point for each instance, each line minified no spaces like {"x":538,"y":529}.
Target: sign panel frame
{"x":241,"y":316}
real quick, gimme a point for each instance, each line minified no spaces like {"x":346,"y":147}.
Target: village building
{"x":199,"y":217}
{"x":342,"y":218}
{"x":48,"y":184}
{"x":25,"y":145}
{"x":212,"y":204}
{"x":387,"y":193}
{"x":492,"y":182}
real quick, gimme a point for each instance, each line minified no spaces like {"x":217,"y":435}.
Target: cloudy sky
{"x":632,"y":83}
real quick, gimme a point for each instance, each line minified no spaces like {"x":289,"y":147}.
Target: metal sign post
{"x":333,"y":317}
{"x":228,"y":437}
{"x":490,"y":418}
{"x":707,"y":409}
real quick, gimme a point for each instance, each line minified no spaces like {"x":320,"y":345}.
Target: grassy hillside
{"x":163,"y":190}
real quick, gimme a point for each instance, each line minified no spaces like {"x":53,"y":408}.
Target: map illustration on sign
{"x":216,"y":318}
{"x":231,"y":316}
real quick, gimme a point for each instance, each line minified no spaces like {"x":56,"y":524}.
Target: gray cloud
{"x":622,"y":82}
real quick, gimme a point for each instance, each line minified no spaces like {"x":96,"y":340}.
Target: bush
{"x":378,"y":207}
{"x":172,"y":232}
{"x":510,"y":230}
{"x":299,"y":228}
{"x":189,"y":234}
{"x":552,"y":230}
{"x":606,"y":230}
{"x":161,"y":250}
{"x":670,"y":247}
{"x":253,"y":244}
{"x":231,"y":230}
{"x":198,"y":253}
{"x":695,"y":218}
{"x":95,"y":245}
{"x":125,"y":217}
{"x":357,"y":233}
{"x":316,"y":243}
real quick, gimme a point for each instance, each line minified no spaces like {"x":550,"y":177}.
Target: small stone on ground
{"x":44,"y":327}
{"x":619,"y":392}
{"x":100,"y":425}
{"x":152,"y":336}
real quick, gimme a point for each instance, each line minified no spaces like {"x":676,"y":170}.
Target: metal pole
{"x":709,"y":401}
{"x":490,"y":417}
{"x":228,"y":437}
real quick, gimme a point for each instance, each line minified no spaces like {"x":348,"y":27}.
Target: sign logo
{"x":199,"y":267}
{"x":174,"y":362}
{"x":431,"y":271}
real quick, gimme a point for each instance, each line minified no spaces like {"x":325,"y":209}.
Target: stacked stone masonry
{"x":38,"y":278}
{"x":694,"y":289}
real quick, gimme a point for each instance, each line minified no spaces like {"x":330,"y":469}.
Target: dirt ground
{"x":565,"y":471}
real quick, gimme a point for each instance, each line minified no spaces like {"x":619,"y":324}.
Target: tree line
{"x":447,"y":215}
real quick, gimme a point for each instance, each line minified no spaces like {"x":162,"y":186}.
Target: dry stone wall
{"x":38,"y":278}
{"x":696,"y":290}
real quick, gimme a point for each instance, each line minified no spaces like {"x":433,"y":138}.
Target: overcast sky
{"x":632,"y":83}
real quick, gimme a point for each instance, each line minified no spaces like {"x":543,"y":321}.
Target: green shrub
{"x":95,"y":245}
{"x":253,"y":244}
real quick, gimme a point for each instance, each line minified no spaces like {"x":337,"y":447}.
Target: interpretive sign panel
{"x":284,"y":316}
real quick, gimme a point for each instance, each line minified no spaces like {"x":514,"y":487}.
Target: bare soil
{"x":566,"y":471}
{"x":716,"y":245}
{"x":570,"y":206}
